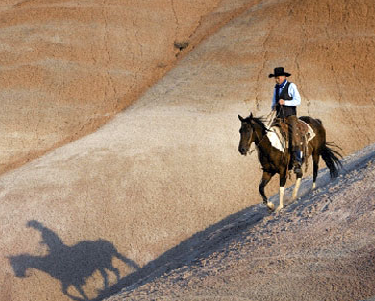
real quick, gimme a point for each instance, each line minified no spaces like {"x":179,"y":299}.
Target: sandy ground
{"x":320,"y":247}
{"x":67,"y":67}
{"x":83,"y":218}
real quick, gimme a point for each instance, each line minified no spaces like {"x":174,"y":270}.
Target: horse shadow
{"x":71,"y":265}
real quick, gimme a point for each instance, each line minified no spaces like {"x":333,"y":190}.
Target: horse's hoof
{"x":270,"y":206}
{"x":278,"y":209}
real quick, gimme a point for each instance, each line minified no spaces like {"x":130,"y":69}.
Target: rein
{"x":270,"y":116}
{"x":251,"y":137}
{"x":269,"y":120}
{"x":260,"y":140}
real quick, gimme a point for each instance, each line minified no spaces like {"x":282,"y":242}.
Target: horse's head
{"x":246,"y":132}
{"x":19,"y":265}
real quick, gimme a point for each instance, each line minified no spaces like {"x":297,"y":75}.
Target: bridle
{"x":270,"y":116}
{"x":259,"y":140}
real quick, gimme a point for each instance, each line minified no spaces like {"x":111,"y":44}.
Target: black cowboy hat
{"x":278,"y":72}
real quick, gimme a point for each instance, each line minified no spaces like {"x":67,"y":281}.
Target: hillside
{"x":67,"y":67}
{"x":319,"y":248}
{"x":81,"y":218}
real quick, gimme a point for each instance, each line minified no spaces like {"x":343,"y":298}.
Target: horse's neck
{"x":261,"y":139}
{"x":265,"y":148}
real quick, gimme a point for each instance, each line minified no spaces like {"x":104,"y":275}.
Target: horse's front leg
{"x":266,"y":177}
{"x":296,"y":188}
{"x":282,"y":190}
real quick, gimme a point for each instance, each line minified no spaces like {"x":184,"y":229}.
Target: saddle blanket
{"x":277,"y":139}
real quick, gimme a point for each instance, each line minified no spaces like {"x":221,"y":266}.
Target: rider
{"x":285,"y":100}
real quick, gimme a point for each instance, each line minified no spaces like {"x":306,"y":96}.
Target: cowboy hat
{"x":278,"y":72}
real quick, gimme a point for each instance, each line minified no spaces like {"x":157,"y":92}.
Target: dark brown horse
{"x":275,"y":161}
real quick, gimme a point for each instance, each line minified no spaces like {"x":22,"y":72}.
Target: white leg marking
{"x":270,"y":206}
{"x":281,"y":204}
{"x":314,"y":185}
{"x":296,"y":188}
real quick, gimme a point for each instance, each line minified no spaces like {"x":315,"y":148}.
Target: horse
{"x":275,"y":161}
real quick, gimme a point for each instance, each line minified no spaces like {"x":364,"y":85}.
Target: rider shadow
{"x":71,"y":265}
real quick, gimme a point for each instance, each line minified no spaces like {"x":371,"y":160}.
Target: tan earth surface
{"x":319,"y":248}
{"x":69,"y":66}
{"x":166,"y":167}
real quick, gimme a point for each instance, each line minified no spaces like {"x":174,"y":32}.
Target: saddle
{"x":282,"y":130}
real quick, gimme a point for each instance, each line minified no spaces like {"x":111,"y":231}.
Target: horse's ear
{"x":251,"y":115}
{"x":240,"y":118}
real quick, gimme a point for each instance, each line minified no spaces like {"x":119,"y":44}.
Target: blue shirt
{"x":292,"y":92}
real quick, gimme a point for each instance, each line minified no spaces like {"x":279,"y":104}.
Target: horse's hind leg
{"x":315,"y":156}
{"x":266,"y":177}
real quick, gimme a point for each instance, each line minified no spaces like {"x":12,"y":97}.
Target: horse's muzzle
{"x":242,"y":151}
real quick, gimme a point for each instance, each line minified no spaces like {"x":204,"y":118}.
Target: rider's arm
{"x":293,"y":92}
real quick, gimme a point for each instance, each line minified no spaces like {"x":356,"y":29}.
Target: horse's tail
{"x":331,"y":157}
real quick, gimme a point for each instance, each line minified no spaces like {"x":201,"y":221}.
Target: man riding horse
{"x":274,"y":159}
{"x":285,"y":100}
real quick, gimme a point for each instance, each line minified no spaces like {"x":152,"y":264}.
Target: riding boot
{"x":297,"y":161}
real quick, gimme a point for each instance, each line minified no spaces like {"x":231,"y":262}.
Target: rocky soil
{"x":319,"y":248}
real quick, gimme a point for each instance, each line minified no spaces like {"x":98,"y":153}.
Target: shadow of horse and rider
{"x":71,"y":265}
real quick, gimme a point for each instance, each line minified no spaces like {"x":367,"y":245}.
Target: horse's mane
{"x":258,"y":120}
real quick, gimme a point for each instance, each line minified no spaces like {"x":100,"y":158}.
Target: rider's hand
{"x":282,"y":102}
